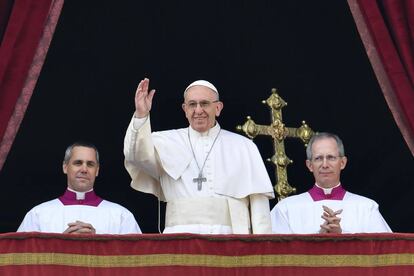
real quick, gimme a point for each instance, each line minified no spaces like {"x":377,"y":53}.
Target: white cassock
{"x":53,"y":216}
{"x":301,"y":214}
{"x":234,"y":198}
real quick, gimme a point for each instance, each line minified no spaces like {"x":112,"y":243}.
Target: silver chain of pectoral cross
{"x":200,"y":179}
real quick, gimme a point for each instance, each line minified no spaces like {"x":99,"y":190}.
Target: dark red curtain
{"x":386,"y":29}
{"x":26,"y":37}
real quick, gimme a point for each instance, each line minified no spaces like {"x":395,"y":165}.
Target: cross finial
{"x":279,"y":132}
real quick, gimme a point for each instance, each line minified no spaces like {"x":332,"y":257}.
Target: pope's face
{"x":81,"y":169}
{"x":201,"y":107}
{"x":326,"y":164}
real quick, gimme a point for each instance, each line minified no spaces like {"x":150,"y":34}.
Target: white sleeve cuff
{"x":138,"y":122}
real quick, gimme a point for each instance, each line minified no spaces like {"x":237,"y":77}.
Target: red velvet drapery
{"x":386,"y":29}
{"x":26,"y":38}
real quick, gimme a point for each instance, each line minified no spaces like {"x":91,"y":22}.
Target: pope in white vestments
{"x":79,"y":210}
{"x":327,"y":207}
{"x":214,"y":181}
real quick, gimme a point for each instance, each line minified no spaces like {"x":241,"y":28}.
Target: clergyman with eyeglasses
{"x":214,"y":181}
{"x":327,"y":207}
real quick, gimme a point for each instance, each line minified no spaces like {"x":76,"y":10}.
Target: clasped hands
{"x":332,"y":222}
{"x":79,"y":227}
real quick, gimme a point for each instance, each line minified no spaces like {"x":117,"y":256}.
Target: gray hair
{"x":69,"y":149}
{"x":324,"y":135}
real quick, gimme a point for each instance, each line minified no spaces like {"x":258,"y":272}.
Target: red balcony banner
{"x":188,"y":254}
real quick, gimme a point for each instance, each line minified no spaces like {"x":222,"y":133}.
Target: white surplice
{"x":300,"y":214}
{"x":53,"y":217}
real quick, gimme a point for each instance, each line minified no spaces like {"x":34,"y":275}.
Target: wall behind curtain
{"x":5,"y":9}
{"x":310,"y":51}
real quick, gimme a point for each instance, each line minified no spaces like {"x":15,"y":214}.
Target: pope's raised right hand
{"x":143,"y":99}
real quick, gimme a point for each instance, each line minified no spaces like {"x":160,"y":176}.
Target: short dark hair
{"x":69,"y":149}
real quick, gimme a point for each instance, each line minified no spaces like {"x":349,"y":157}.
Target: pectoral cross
{"x":200,"y":179}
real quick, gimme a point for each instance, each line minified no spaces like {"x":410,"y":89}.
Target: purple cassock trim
{"x":317,"y":193}
{"x":91,"y":199}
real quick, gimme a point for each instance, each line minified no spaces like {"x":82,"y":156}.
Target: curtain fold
{"x":386,"y":29}
{"x":23,"y":49}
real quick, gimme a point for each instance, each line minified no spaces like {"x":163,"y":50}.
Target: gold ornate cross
{"x":279,"y":132}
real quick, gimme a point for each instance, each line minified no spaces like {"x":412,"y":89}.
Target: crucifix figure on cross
{"x":200,"y":179}
{"x":279,"y":132}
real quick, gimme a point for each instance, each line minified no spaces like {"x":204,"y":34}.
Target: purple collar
{"x":317,"y":193}
{"x":91,"y":199}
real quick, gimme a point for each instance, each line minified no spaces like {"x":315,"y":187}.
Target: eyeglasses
{"x":203,"y":104}
{"x":329,"y":158}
